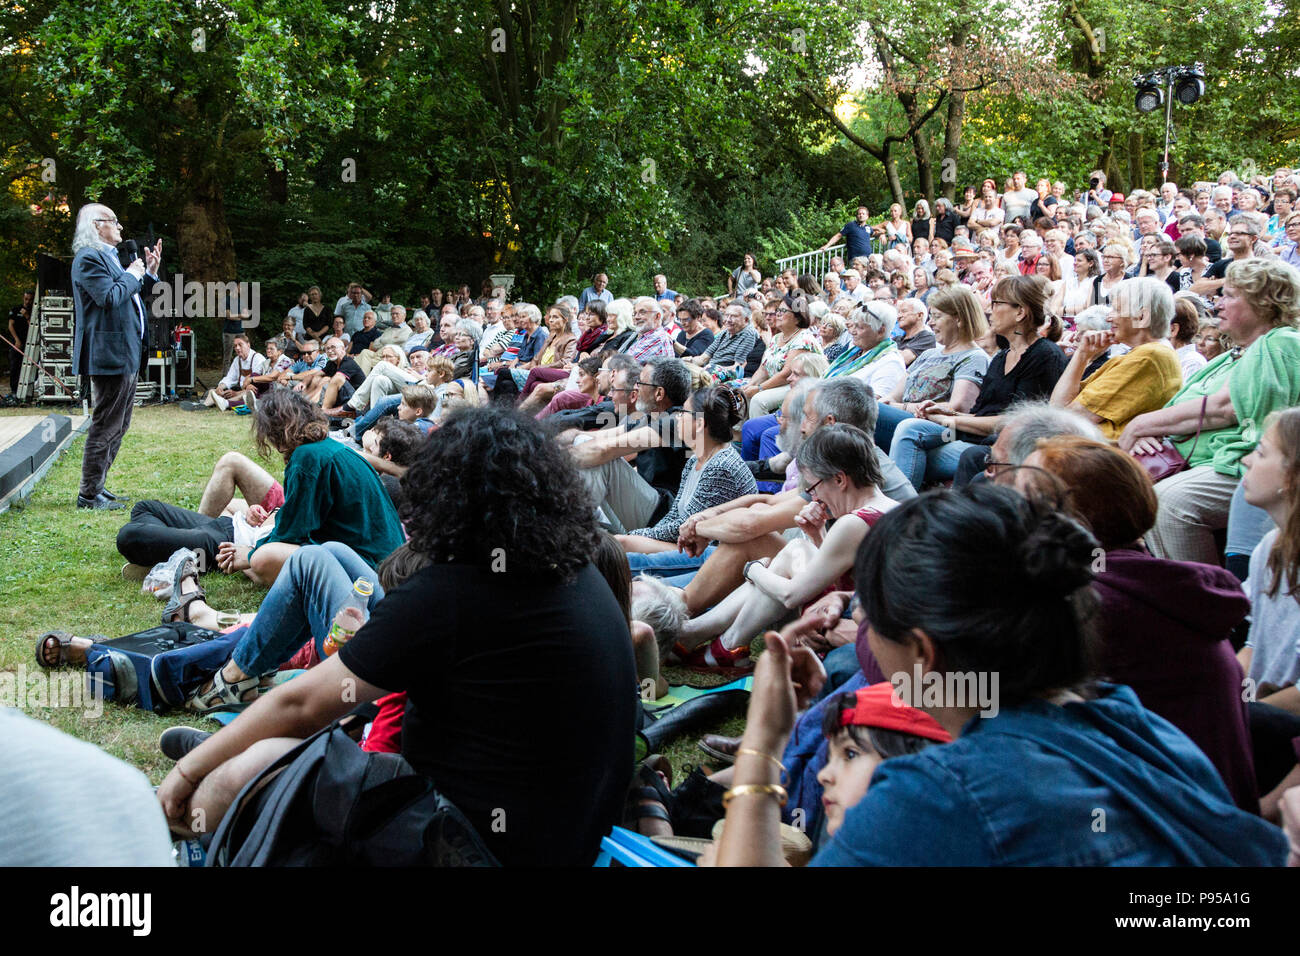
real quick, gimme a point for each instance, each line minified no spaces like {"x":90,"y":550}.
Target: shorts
{"x":274,"y":497}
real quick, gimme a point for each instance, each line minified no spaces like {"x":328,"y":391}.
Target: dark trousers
{"x":15,"y":367}
{"x":1272,"y":731}
{"x":114,"y":398}
{"x":157,"y":530}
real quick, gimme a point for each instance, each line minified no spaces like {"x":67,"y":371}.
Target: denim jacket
{"x":1093,"y":783}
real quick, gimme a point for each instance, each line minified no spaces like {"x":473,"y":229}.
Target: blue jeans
{"x":922,"y":455}
{"x":385,"y":406}
{"x":888,"y":418}
{"x":667,"y":563}
{"x":1247,"y":524}
{"x":311,"y":587}
{"x":751,"y":434}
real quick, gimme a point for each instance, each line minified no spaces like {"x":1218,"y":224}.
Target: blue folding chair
{"x":632,"y":849}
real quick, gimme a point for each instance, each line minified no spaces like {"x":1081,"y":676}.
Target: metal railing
{"x":816,"y":263}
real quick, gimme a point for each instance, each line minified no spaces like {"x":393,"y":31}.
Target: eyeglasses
{"x":1003,"y":302}
{"x":645,"y":385}
{"x":813,"y":487}
{"x":116,"y":222}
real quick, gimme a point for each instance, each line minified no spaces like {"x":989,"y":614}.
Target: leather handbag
{"x":1161,"y":464}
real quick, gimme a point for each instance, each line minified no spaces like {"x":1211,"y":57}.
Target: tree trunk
{"x":207,"y":254}
{"x":952,"y":142}
{"x":1136,"y":173}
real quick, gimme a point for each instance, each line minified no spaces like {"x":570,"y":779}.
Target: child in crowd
{"x":418,"y":402}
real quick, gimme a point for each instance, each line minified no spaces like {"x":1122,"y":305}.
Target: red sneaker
{"x":715,"y":655}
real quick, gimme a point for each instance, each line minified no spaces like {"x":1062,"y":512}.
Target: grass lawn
{"x":59,"y":569}
{"x":59,"y":566}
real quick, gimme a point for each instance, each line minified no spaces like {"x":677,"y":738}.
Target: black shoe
{"x":176,"y":742}
{"x":99,"y":503}
{"x":112,"y":497}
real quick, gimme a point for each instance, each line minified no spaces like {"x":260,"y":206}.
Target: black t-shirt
{"x":1213,"y":251}
{"x":351,"y":370}
{"x":662,"y":466}
{"x":695,"y":346}
{"x":945,"y":226}
{"x":521,"y":701}
{"x":21,"y":323}
{"x":920,"y":229}
{"x":1032,"y":379}
{"x":755,"y":357}
{"x":1218,"y":270}
{"x":361,"y":339}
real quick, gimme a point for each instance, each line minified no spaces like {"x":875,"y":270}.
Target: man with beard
{"x":637,"y":496}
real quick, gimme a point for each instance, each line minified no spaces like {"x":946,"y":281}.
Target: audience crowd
{"x":1036,"y":444}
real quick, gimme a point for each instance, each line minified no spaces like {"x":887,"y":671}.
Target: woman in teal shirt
{"x":330,"y":492}
{"x":1227,"y":401}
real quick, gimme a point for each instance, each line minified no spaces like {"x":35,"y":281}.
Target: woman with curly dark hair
{"x":508,"y":612}
{"x":330,"y":494}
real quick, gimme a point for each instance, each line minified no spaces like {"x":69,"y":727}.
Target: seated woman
{"x":952,"y":372}
{"x":768,"y":386}
{"x":1054,"y":771}
{"x":1214,"y":420}
{"x":587,"y":391}
{"x":556,"y":358}
{"x":1141,"y":380}
{"x":1271,"y":656}
{"x":838,"y":468}
{"x":1026,"y":367}
{"x":497,"y":510}
{"x":622,"y":331}
{"x":1182,"y":333}
{"x":466,"y":338}
{"x":594,"y":330}
{"x":330,"y":494}
{"x":1163,"y":626}
{"x":873,"y":358}
{"x":714,"y":474}
{"x":834,"y":333}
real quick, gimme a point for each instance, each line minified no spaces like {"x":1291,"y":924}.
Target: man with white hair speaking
{"x":110,"y":336}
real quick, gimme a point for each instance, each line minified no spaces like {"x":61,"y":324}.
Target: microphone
{"x":127,"y":252}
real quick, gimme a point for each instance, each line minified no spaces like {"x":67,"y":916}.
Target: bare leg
{"x":234,"y":471}
{"x":268,"y":560}
{"x":702,"y":629}
{"x":646,"y":651}
{"x":331,"y":395}
{"x":761,"y":610}
{"x":218,"y":790}
{"x":721,"y":573}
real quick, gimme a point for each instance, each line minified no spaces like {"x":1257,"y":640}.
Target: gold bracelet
{"x":759,"y":753}
{"x":764,"y":788}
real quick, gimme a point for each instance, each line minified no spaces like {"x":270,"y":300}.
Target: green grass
{"x":60,"y":569}
{"x":59,"y":566}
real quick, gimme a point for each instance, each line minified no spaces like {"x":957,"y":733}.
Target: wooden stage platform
{"x":29,"y":444}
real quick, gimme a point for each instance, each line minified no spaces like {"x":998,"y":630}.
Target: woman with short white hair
{"x":873,"y":358}
{"x":1142,"y":379}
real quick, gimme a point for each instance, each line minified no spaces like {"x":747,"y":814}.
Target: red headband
{"x":878,"y":706}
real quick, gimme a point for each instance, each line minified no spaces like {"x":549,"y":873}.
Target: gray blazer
{"x":108,"y":338}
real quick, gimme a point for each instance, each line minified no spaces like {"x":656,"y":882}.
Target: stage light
{"x":1190,"y":89}
{"x":1149,"y":98}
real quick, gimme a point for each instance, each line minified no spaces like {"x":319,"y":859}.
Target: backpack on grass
{"x":159,"y":668}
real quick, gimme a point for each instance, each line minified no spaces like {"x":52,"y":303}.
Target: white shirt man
{"x":853,"y":286}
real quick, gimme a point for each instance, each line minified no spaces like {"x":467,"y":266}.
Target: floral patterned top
{"x":804,"y":340}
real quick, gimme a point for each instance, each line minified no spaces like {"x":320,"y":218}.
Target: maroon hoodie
{"x":1164,"y":629}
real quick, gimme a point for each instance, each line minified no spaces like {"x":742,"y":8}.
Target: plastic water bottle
{"x":188,"y":853}
{"x":354,"y":613}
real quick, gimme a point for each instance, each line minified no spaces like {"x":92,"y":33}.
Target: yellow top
{"x":1139,"y":381}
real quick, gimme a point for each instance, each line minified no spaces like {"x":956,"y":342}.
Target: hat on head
{"x":1116,"y":197}
{"x":879,"y":706}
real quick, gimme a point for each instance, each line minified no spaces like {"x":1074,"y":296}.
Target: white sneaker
{"x":221,"y":403}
